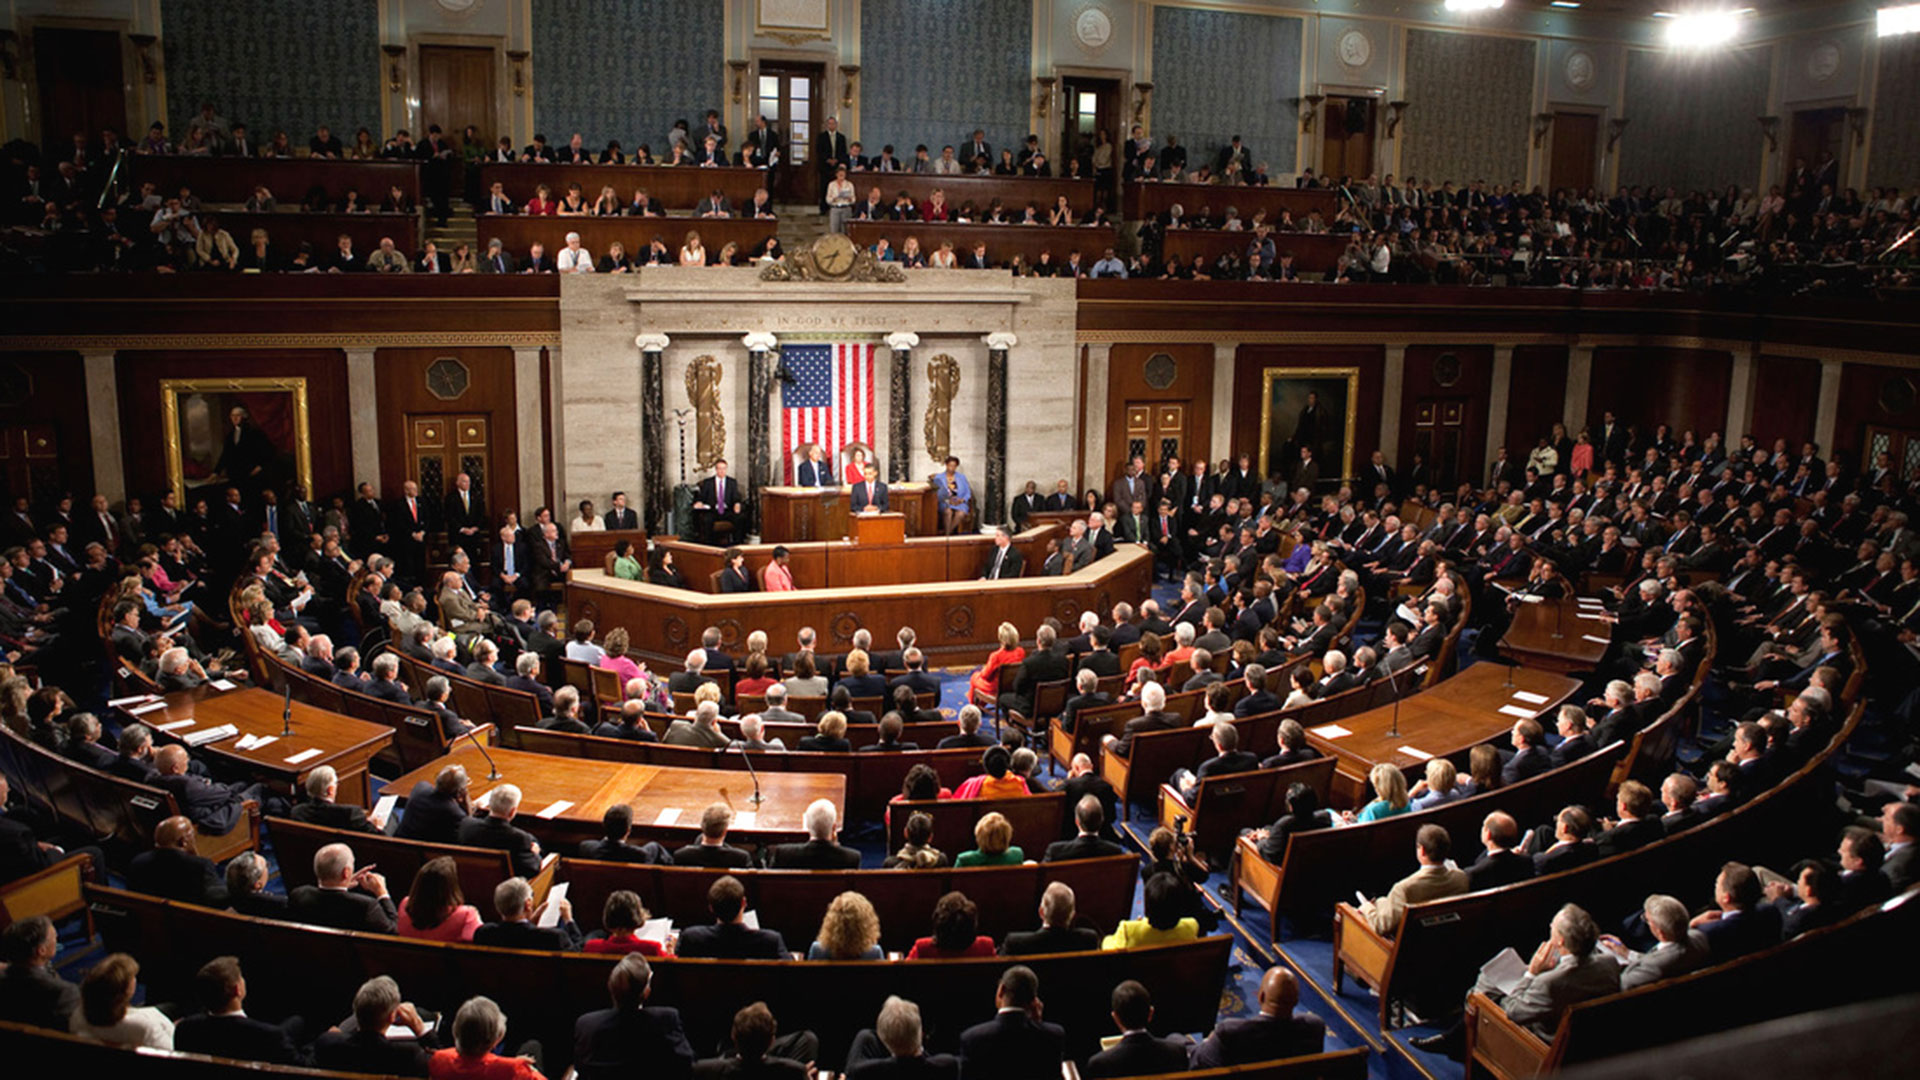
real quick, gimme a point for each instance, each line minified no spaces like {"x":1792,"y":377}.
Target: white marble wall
{"x":597,"y":426}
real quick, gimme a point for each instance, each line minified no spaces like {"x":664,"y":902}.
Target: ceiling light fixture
{"x":1563,"y":3}
{"x":1904,"y":19}
{"x":1474,"y":5}
{"x":1704,"y":29}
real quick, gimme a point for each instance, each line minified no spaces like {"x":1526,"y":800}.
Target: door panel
{"x":1346,"y":147}
{"x":456,"y":89}
{"x":441,"y":446}
{"x":80,"y":85}
{"x":1574,"y":137}
{"x":789,"y":96}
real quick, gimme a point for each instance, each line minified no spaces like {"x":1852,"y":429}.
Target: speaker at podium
{"x":884,"y":528}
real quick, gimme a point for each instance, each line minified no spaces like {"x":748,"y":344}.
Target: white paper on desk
{"x":221,"y":684}
{"x":750,"y":919}
{"x":1531,"y":598}
{"x":123,"y":702}
{"x":383,"y":810}
{"x":145,"y":709}
{"x":559,"y":807}
{"x":655,"y":930}
{"x":1590,"y":601}
{"x":1330,"y":731}
{"x":264,"y":740}
{"x":745,"y":819}
{"x":550,"y":913}
{"x":1530,"y":698}
{"x":1522,"y":713}
{"x":1504,"y":971}
{"x":1593,"y":618}
{"x":175,"y":726}
{"x":668,"y":816}
{"x":1596,"y":640}
{"x":303,"y":755}
{"x":1417,"y":755}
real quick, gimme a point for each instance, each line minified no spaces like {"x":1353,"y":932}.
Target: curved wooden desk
{"x":956,"y":619}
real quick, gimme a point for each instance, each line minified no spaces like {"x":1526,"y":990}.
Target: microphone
{"x":286,"y":710}
{"x":493,"y":771}
{"x":753,"y":772}
{"x":1393,"y":684}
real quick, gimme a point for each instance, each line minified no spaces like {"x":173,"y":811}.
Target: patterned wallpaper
{"x":1471,"y":106}
{"x":273,"y":64}
{"x":933,"y":70}
{"x":1895,"y":159}
{"x":1691,"y":118}
{"x":1218,"y":74}
{"x":626,"y":69}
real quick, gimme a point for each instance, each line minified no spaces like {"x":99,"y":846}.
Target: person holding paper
{"x":1565,"y":970}
{"x":1432,"y":881}
{"x":522,"y":925}
{"x":628,"y":927}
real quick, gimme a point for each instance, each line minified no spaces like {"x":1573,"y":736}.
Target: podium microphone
{"x":493,"y":771}
{"x":286,"y":710}
{"x":753,"y":772}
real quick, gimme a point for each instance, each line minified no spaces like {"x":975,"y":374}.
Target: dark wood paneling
{"x":327,"y":413}
{"x":287,"y":231}
{"x":1418,"y":381}
{"x":1646,"y":386}
{"x":1313,"y":253}
{"x":81,"y":89}
{"x":1014,"y":192}
{"x":1786,"y":397}
{"x":1127,"y":381}
{"x":675,"y":188}
{"x":456,"y":89}
{"x":1212,"y":200}
{"x":56,"y":395}
{"x":1574,"y":138}
{"x":1003,"y":241}
{"x":231,"y":180}
{"x":1864,"y":400}
{"x":1536,"y":396}
{"x":400,"y":377}
{"x":519,"y":233}
{"x":1252,"y":360}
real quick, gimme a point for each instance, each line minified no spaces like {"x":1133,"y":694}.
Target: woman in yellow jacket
{"x":1162,"y":925}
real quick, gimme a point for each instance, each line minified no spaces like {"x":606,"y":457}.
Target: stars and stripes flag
{"x":829,"y":401}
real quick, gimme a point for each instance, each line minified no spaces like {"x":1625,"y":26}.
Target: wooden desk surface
{"x":1446,"y":721}
{"x":1012,"y":191}
{"x":1530,"y":639}
{"x":789,"y":513}
{"x":820,"y":564}
{"x":232,"y":179}
{"x":1003,"y":241}
{"x":1316,"y":253}
{"x":1143,"y":200}
{"x":677,"y":187}
{"x":592,"y":786}
{"x":518,"y":233}
{"x":344,"y":743}
{"x":286,"y":231}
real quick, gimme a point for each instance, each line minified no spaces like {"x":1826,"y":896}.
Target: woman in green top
{"x":993,"y":837}
{"x":1163,"y":923}
{"x":1390,"y":794}
{"x":625,"y":566}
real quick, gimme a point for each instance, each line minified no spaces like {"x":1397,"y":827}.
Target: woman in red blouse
{"x":623,"y":917}
{"x":542,"y":204}
{"x":936,"y":208}
{"x":956,"y":931}
{"x":985,"y":684}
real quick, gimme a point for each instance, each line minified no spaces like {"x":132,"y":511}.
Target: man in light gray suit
{"x":1680,"y":950}
{"x":1567,"y":968}
{"x":776,"y":711}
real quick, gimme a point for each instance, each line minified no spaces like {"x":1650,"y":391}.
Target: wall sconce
{"x":1310,"y":108}
{"x":1770,"y":127}
{"x":1142,"y":95}
{"x":1542,"y":123}
{"x":849,"y":73}
{"x":517,"y":71}
{"x":739,"y":68}
{"x":1395,"y":111}
{"x":1857,"y":121}
{"x":396,"y":69}
{"x":143,"y":49}
{"x":1045,"y":97}
{"x":1615,"y":129}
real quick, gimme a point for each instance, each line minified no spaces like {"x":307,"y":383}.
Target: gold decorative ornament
{"x":943,"y":385}
{"x":832,"y":257}
{"x":710,"y":425}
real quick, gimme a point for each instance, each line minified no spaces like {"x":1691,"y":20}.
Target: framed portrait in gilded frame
{"x":1308,"y":408}
{"x":252,"y":433}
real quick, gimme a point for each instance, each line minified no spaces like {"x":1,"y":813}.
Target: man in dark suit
{"x":918,"y":678}
{"x":31,"y":990}
{"x":526,"y":679}
{"x":620,"y":516}
{"x":1090,"y":818}
{"x":1571,"y":848}
{"x":1256,"y":700}
{"x":822,"y":851}
{"x":712,"y":849}
{"x":1153,"y":717}
{"x":1498,"y":864}
{"x":1086,"y":695}
{"x":1529,"y":758}
{"x":614,"y":845}
{"x":1026,"y":503}
{"x":436,"y":810}
{"x":497,"y":831}
{"x":632,"y":1038}
{"x":511,"y":560}
{"x":869,"y":492}
{"x":1139,"y":1052}
{"x":212,"y":807}
{"x":729,"y":937}
{"x":718,"y":499}
{"x":344,"y":899}
{"x":1638,"y":824}
{"x":830,"y":152}
{"x":1278,"y":1032}
{"x":814,"y":472}
{"x":366,"y":1049}
{"x":464,"y":516}
{"x":225,"y":1030}
{"x":1005,"y":561}
{"x":893,"y":1049}
{"x":1741,"y":923}
{"x":1016,"y":1044}
{"x":1057,"y":933}
{"x":1042,"y":665}
{"x":409,"y":521}
{"x":319,"y":807}
{"x":175,"y":869}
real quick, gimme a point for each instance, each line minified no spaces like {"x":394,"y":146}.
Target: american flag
{"x":829,"y":401}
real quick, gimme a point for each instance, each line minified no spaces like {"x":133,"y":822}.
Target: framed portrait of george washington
{"x":249,"y":433}
{"x":1307,"y":423}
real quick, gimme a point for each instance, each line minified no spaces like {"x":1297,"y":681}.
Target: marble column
{"x":1746,"y":367}
{"x":1224,"y":353}
{"x":363,"y":417}
{"x":1392,"y":379}
{"x":995,"y":511}
{"x":1093,"y":435}
{"x":1579,"y":381}
{"x":103,"y":421}
{"x":1826,"y":414}
{"x":655,"y":498}
{"x":900,"y":412}
{"x":760,"y":346}
{"x":532,"y":431}
{"x":1499,"y":401}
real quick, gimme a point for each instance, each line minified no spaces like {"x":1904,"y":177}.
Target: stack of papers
{"x":255,"y":742}
{"x":303,"y":756}
{"x":1519,"y":711}
{"x":1596,"y":640}
{"x":668,"y":816}
{"x":1417,"y":755}
{"x":655,"y":930}
{"x":142,"y":710}
{"x":1530,"y":698}
{"x":175,"y":726}
{"x":1330,"y":731}
{"x":1504,"y":971}
{"x":123,"y":702}
{"x":554,"y":811}
{"x":207,"y":735}
{"x":221,"y":685}
{"x":745,"y":819}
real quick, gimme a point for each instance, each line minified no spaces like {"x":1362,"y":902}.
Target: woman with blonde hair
{"x":1442,"y":785}
{"x":1390,"y":795}
{"x":984,"y":687}
{"x":691,"y":252}
{"x":849,"y":931}
{"x":830,"y":735}
{"x":993,"y":844}
{"x":106,"y":1013}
